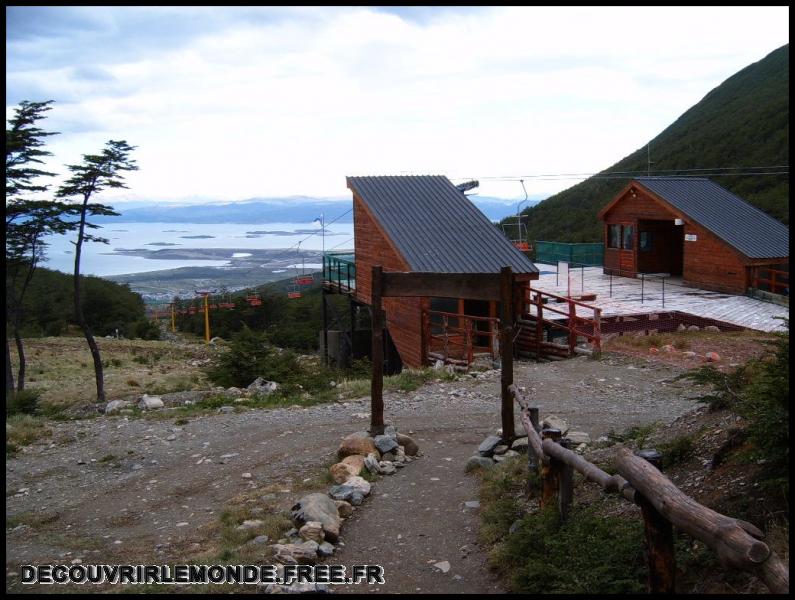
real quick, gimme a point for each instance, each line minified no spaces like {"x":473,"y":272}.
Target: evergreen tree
{"x":96,"y":173}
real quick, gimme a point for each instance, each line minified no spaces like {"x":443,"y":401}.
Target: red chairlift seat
{"x":304,"y":280}
{"x":293,"y":294}
{"x":192,"y":310}
{"x":226,"y":305}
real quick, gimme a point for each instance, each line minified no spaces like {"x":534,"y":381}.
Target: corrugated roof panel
{"x":436,"y":227}
{"x":751,"y":231}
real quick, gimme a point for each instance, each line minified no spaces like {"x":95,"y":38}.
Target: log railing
{"x":562,"y":313}
{"x":737,"y":543}
{"x":456,"y":338}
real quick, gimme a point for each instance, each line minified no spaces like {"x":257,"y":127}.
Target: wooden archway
{"x":471,"y":286}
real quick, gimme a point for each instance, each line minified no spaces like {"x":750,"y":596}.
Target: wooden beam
{"x":377,"y":380}
{"x":506,"y":347}
{"x":472,"y":286}
{"x":730,"y":538}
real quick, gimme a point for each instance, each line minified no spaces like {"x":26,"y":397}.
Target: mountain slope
{"x":744,"y":122}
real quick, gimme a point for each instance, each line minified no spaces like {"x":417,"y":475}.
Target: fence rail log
{"x":734,"y":545}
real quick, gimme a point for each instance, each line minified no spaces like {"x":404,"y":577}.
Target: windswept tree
{"x":28,"y":220}
{"x":96,"y":173}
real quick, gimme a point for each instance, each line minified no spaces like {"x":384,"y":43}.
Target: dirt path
{"x":152,"y":500}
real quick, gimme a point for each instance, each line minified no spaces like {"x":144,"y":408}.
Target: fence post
{"x":572,"y":326}
{"x":611,"y":283}
{"x":549,"y":472}
{"x":377,"y":352}
{"x":532,"y":459}
{"x":539,"y":326}
{"x":659,"y":537}
{"x":663,"y":292}
{"x":642,"y":281}
{"x":597,"y":330}
{"x":565,"y":483}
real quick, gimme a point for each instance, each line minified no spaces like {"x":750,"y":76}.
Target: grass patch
{"x":639,"y":435}
{"x":32,"y":519}
{"x":502,"y":496}
{"x":677,"y":451}
{"x":22,"y":430}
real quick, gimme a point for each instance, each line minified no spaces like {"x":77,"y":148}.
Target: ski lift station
{"x":645,"y":278}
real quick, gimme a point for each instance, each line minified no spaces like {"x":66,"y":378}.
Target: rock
{"x":681,"y":327}
{"x":250,"y":524}
{"x":344,"y":508}
{"x":488,"y":445}
{"x":472,"y":504}
{"x":355,"y":463}
{"x":478,"y":462}
{"x":262,"y":386}
{"x":357,"y":498}
{"x":340,"y":472}
{"x":384,"y":443}
{"x":226,"y":409}
{"x":694,"y":328}
{"x":305,"y":553}
{"x":233,"y":391}
{"x":150,"y":402}
{"x":501,"y":457}
{"x":318,"y":507}
{"x":443,"y":566}
{"x":356,"y":443}
{"x":246,"y":475}
{"x":387,"y":468}
{"x":325,"y":549}
{"x":520,"y":445}
{"x":391,"y":431}
{"x":515,"y":526}
{"x":654,"y":350}
{"x":689,"y":354}
{"x":712,"y":356}
{"x":260,"y":539}
{"x":501,"y":449}
{"x":389,"y":456}
{"x":712,"y":328}
{"x":409,"y":446}
{"x":578,"y":437}
{"x":312,"y":530}
{"x":554,"y":422}
{"x":668,"y":348}
{"x":371,"y":462}
{"x":438,"y":365}
{"x":116,"y":405}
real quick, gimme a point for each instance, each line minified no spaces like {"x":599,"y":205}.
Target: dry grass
{"x":22,"y":430}
{"x":63,"y":370}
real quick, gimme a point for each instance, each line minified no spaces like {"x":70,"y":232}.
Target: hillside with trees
{"x":744,"y":122}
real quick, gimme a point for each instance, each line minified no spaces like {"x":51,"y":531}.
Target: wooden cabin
{"x":694,"y":228}
{"x":425,"y":224}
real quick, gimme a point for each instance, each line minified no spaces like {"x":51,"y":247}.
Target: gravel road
{"x":151,"y":502}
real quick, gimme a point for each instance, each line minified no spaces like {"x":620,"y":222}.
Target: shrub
{"x":250,"y":356}
{"x":23,"y":402}
{"x":677,"y":451}
{"x":146,"y":330}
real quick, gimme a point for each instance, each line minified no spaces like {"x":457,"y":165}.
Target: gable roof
{"x":435,"y":227}
{"x":735,"y":221}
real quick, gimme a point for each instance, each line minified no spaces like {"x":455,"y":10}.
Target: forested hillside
{"x":744,"y":122}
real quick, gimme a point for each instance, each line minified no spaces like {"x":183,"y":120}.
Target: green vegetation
{"x":638,"y":435}
{"x":744,"y":122}
{"x":22,"y":430}
{"x":23,"y":402}
{"x":759,"y":392}
{"x":677,"y":451}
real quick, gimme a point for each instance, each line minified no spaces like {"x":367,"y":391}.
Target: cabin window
{"x":614,"y":236}
{"x":626,"y":238}
{"x":644,"y":241}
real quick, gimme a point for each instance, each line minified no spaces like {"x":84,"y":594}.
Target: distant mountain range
{"x":744,"y":122}
{"x":298,"y":209}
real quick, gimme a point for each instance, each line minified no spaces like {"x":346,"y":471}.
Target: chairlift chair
{"x":293,"y":292}
{"x":253,"y":298}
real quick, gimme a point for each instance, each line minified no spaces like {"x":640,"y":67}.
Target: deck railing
{"x":737,"y":543}
{"x":775,"y":281}
{"x":339,"y":272}
{"x":574,"y":317}
{"x":456,"y":338}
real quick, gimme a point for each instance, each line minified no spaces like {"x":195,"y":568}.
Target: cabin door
{"x":626,"y":254}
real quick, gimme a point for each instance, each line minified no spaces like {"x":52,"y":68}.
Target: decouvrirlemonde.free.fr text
{"x":197,"y":574}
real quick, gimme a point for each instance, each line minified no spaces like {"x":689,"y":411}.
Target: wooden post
{"x":206,"y":320}
{"x":549,"y":472}
{"x":506,"y":346}
{"x":659,"y":537}
{"x":597,"y":330}
{"x":565,"y":484}
{"x":532,"y":460}
{"x":377,"y":383}
{"x":539,"y":325}
{"x":572,"y":326}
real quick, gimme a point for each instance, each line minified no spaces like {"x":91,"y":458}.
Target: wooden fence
{"x":456,"y":338}
{"x":737,"y":543}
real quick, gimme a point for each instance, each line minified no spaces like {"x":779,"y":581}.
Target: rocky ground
{"x":120,"y":489}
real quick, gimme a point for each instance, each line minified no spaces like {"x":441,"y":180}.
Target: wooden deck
{"x":625,"y":298}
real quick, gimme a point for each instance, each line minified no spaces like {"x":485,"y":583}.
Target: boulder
{"x":578,"y":437}
{"x":371,"y":462}
{"x":250,"y":524}
{"x":356,"y":443}
{"x":325,"y":549}
{"x":305,"y":553}
{"x":478,"y":462}
{"x":116,"y":405}
{"x":344,"y":509}
{"x":312,"y":530}
{"x":488,"y":445}
{"x":681,"y":327}
{"x":520,"y":444}
{"x":689,"y":354}
{"x":410,"y":447}
{"x":355,"y":463}
{"x":501,"y":457}
{"x":712,"y":356}
{"x":340,"y":472}
{"x":714,"y":328}
{"x":391,"y":431}
{"x":387,"y":468}
{"x":555,"y":422}
{"x":694,"y":328}
{"x":385,"y":443}
{"x":501,"y":449}
{"x":262,"y":386}
{"x":668,"y":348}
{"x":150,"y":402}
{"x":318,"y":507}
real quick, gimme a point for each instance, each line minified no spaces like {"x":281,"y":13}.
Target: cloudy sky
{"x":234,"y":103}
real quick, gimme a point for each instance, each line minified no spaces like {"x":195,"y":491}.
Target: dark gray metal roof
{"x":735,"y":221}
{"x":436,"y":227}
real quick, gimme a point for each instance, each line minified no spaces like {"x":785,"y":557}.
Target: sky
{"x":243,"y":102}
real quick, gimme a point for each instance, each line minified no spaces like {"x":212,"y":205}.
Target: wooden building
{"x":695,"y":229}
{"x":425,"y":224}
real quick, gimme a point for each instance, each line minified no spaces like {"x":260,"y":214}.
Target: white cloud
{"x":290,"y":102}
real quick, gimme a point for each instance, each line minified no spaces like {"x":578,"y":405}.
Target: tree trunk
{"x":9,"y":371}
{"x":80,"y":317}
{"x":21,"y":353}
